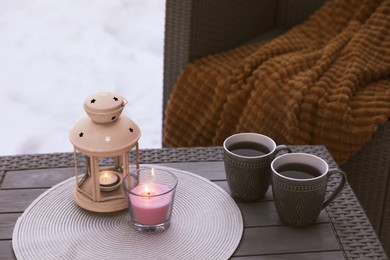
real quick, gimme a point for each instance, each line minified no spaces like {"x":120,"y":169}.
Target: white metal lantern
{"x":105,"y":138}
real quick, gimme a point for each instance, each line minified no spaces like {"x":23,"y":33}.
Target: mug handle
{"x":282,"y":147}
{"x":339,"y":187}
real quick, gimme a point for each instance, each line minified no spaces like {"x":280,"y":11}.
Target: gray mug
{"x":299,"y":183}
{"x":247,"y":160}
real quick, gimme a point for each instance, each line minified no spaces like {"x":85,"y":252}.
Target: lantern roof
{"x":104,"y":132}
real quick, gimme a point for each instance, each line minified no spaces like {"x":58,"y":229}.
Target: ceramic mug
{"x":247,"y":160}
{"x":299,"y":182}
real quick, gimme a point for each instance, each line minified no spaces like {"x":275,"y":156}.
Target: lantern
{"x":102,"y":142}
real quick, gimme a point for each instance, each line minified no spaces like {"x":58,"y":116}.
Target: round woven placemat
{"x":206,"y":224}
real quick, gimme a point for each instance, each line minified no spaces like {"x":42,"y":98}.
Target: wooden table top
{"x":342,"y":230}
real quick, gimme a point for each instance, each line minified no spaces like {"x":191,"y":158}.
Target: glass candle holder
{"x":150,"y":198}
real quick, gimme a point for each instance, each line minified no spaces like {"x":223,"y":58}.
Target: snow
{"x":53,"y":54}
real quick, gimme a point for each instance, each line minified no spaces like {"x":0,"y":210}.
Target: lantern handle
{"x":124,"y":102}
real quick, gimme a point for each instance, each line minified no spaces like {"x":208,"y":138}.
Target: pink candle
{"x":148,"y":208}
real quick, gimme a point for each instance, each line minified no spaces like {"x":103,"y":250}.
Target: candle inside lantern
{"x":108,"y":178}
{"x":151,"y":203}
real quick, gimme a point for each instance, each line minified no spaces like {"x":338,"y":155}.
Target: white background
{"x":53,"y":54}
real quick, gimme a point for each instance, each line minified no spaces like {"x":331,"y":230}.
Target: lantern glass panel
{"x":134,"y":160}
{"x":83,"y":174}
{"x":111,"y":163}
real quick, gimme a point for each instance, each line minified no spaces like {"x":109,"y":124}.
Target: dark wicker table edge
{"x":351,"y":225}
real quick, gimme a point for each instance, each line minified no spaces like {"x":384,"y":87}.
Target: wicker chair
{"x":198,"y":28}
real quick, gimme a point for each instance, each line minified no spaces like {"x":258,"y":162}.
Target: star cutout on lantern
{"x":81,"y":134}
{"x":131,"y":129}
{"x":93,"y":101}
{"x":116,"y":99}
{"x":107,"y":139}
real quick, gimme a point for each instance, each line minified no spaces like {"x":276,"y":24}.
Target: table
{"x":341,"y":232}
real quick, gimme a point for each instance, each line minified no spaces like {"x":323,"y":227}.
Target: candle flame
{"x":152,"y":171}
{"x":147,"y":191}
{"x":105,"y":177}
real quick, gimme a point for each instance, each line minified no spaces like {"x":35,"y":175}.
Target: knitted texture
{"x":326,"y":81}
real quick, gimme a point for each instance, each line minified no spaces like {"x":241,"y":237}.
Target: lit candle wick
{"x":147,"y":191}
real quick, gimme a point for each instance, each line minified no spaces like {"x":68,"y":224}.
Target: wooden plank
{"x":46,"y":178}
{"x":6,"y":252}
{"x":13,"y":201}
{"x":263,"y":213}
{"x":224,"y":185}
{"x":305,"y":256}
{"x":7,"y":224}
{"x":285,"y":239}
{"x":41,"y":178}
{"x":214,"y":171}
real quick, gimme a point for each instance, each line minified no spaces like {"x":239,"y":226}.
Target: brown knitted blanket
{"x":325,"y":82}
